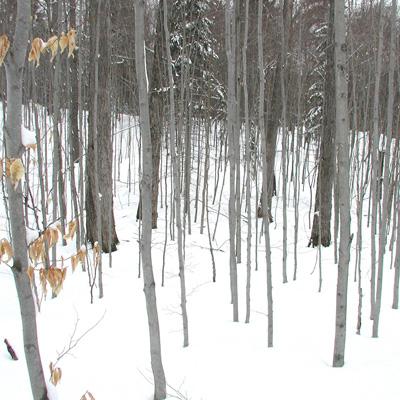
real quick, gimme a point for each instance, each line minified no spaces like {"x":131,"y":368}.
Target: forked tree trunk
{"x":99,"y":153}
{"x":14,"y":72}
{"x":146,"y":185}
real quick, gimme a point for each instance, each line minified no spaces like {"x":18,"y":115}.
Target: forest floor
{"x":225,"y":360}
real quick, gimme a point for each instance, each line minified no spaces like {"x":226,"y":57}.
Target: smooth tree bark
{"x":342,"y":146}
{"x":99,"y":188}
{"x":230,"y":41}
{"x":375,"y":175}
{"x":383,"y":227}
{"x":14,"y":66}
{"x":248,"y":161}
{"x":284,"y":38}
{"x":265,"y":175}
{"x":176,"y":180}
{"x":146,"y":192}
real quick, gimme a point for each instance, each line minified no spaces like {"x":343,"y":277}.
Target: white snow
{"x":28,"y":137}
{"x":225,"y":360}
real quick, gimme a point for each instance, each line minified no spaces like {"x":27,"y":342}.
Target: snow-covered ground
{"x":225,"y":360}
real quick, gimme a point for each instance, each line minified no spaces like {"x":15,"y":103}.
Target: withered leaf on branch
{"x":6,"y":250}
{"x":71,"y":42}
{"x":31,"y":274}
{"x":17,"y":171}
{"x":37,"y":249}
{"x":37,"y":48}
{"x":4,"y":46}
{"x":79,"y":257}
{"x":71,"y":230}
{"x":63,"y":42}
{"x":43,"y":281}
{"x":55,"y":277}
{"x":52,"y":44}
{"x":55,"y":374}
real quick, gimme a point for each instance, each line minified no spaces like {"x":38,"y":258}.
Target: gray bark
{"x":14,"y":72}
{"x":375,"y":160}
{"x":230,"y":39}
{"x":321,"y":228}
{"x":342,"y":141}
{"x":146,"y":185}
{"x":266,"y":177}
{"x":99,"y":153}
{"x":386,"y":188}
{"x":176,"y":179}
{"x":248,"y":166}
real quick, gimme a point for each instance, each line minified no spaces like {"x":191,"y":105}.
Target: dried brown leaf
{"x":36,"y":49}
{"x":17,"y":171}
{"x":55,"y":374}
{"x":71,"y":42}
{"x":43,"y":280}
{"x":52,"y":44}
{"x":31,"y":274}
{"x":4,"y":46}
{"x":63,"y":42}
{"x":6,"y":250}
{"x":71,"y":230}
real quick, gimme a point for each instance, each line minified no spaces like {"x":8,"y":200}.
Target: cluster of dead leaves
{"x":37,"y":249}
{"x":14,"y":170}
{"x":4,"y":46}
{"x":54,"y":276}
{"x":54,"y":44}
{"x":5,"y":250}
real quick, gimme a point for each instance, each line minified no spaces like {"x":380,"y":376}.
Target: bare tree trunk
{"x":177,"y":187}
{"x":247,"y":156}
{"x":74,"y":88}
{"x":264,"y":195}
{"x":383,"y":228}
{"x":156,"y":98}
{"x":321,"y":228}
{"x":146,"y":184}
{"x":230,"y":31}
{"x":100,"y":145}
{"x":375,"y":159}
{"x":12,"y":130}
{"x":342,"y":141}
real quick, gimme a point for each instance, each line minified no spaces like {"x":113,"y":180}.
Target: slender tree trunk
{"x":177,"y":187}
{"x":146,"y":184}
{"x":383,"y":228}
{"x":264,"y":195}
{"x":248,"y":165}
{"x":74,"y":88}
{"x":375,"y":159}
{"x":14,"y":72}
{"x":342,"y":140}
{"x":230,"y":40}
